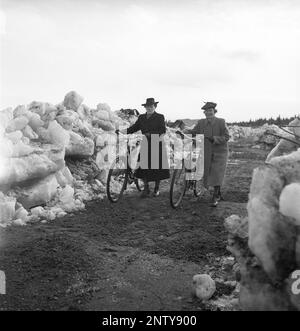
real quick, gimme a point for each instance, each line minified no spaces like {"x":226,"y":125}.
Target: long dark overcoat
{"x":216,"y":153}
{"x":153,"y":160}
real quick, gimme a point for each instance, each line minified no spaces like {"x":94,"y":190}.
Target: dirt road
{"x":135,"y":255}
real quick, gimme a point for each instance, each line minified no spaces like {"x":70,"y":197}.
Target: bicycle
{"x":184,"y":179}
{"x":121,"y":175}
{"x":282,"y":127}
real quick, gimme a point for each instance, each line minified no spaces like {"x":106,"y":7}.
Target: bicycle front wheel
{"x":117,"y":179}
{"x":178,"y":187}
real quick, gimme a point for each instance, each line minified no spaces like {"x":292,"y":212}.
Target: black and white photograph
{"x":149,"y":158}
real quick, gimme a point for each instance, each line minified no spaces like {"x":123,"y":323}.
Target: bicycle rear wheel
{"x":117,"y":179}
{"x":178,"y":187}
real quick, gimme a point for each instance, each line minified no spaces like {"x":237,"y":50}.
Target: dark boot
{"x":214,"y":201}
{"x":220,"y":197}
{"x":156,"y":189}
{"x":146,"y":191}
{"x":216,"y":196}
{"x":219,"y":194}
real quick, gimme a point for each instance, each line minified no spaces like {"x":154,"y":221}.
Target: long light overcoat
{"x":216,"y":153}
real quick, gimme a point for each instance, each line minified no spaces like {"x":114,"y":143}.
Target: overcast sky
{"x":243,"y":55}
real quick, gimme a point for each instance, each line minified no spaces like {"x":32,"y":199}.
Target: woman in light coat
{"x":215,"y":149}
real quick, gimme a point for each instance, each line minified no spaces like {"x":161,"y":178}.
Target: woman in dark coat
{"x":153,"y":161}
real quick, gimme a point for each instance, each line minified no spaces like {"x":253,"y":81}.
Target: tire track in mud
{"x":137,"y":254}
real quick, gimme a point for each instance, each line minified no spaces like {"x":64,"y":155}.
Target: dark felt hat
{"x":150,"y":102}
{"x":209,"y":105}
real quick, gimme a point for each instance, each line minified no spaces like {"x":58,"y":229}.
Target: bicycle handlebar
{"x":281,"y":137}
{"x":186,"y":136}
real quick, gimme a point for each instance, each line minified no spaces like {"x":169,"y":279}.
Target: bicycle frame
{"x":126,"y":171}
{"x":130,"y":171}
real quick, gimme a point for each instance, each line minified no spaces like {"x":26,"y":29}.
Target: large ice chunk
{"x":7,"y":208}
{"x":73,"y":100}
{"x":58,"y":135}
{"x":38,"y":193}
{"x":289,"y":202}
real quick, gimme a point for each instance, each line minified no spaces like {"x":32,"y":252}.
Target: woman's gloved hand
{"x":210,"y":139}
{"x":123,"y":131}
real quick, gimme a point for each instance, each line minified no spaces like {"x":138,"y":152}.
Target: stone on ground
{"x":204,"y":286}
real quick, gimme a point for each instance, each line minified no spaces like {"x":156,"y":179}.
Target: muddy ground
{"x":134,"y":255}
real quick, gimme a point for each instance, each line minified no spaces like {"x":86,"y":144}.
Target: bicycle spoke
{"x":178,"y":187}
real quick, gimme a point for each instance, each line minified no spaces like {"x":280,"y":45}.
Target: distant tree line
{"x":252,"y":123}
{"x":261,"y":121}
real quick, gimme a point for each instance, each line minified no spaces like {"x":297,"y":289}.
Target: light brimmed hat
{"x":150,"y":102}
